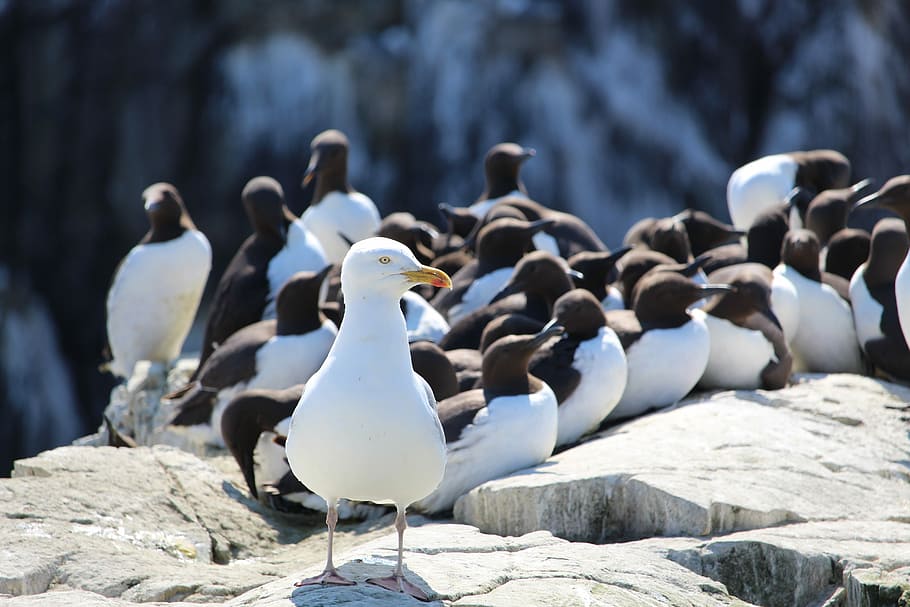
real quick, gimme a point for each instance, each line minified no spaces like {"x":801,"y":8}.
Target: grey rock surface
{"x":868,"y":562}
{"x":106,"y":526}
{"x":796,"y":497}
{"x":456,"y":564}
{"x":827,"y":448}
{"x":147,"y":524}
{"x":136,"y":410}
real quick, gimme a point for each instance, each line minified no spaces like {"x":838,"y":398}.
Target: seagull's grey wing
{"x":431,"y":398}
{"x":431,"y":404}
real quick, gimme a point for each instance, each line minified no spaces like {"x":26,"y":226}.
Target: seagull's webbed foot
{"x":329,"y":576}
{"x":398,"y":583}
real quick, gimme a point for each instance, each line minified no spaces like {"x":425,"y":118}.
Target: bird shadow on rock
{"x":359,"y":571}
{"x":900,"y":391}
{"x":540,"y":468}
{"x":293,"y":527}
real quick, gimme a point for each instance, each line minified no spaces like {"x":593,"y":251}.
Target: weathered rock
{"x":82,"y":598}
{"x":828,"y":448}
{"x":868,"y":562}
{"x":136,"y":410}
{"x":124,"y":526}
{"x":456,"y":563}
{"x":109,"y":527}
{"x":147,"y":524}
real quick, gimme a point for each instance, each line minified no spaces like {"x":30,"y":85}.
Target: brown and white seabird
{"x":157,"y":287}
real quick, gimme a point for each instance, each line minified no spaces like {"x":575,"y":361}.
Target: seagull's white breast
{"x":365,"y":428}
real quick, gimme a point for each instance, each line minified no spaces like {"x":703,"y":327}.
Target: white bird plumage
{"x":157,"y":287}
{"x":602,"y":363}
{"x":366,"y":426}
{"x":687,"y":346}
{"x":758,"y":186}
{"x":341,"y":217}
{"x":302,"y":252}
{"x":825,"y":340}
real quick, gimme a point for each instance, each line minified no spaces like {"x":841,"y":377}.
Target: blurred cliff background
{"x":635,"y":107}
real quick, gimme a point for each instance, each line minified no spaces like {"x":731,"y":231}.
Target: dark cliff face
{"x":635,"y":107}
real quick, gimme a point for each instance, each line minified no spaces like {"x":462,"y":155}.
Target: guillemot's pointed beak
{"x":345,"y":238}
{"x":709,"y":290}
{"x":541,"y":224}
{"x":695,"y":265}
{"x":430,"y":276}
{"x":152,"y":203}
{"x":528,"y":153}
{"x":618,"y":254}
{"x":551,"y":329}
{"x":423,"y":230}
{"x":867,"y":202}
{"x":859,"y":186}
{"x":311,"y":170}
{"x":321,"y":274}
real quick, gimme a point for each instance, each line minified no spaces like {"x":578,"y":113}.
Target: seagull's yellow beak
{"x":430,"y":276}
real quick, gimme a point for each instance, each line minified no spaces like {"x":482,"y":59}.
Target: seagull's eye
{"x":385,"y":259}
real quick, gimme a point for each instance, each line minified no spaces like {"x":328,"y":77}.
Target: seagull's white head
{"x":382,"y":265}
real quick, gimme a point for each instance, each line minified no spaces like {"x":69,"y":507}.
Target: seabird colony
{"x":353,"y":362}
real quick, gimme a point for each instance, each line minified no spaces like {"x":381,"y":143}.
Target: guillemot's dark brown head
{"x":847,"y":250}
{"x":751,"y":294}
{"x":538,"y":273}
{"x":894,"y":196}
{"x":460,"y":220}
{"x":827,"y":213}
{"x":580,"y":313}
{"x":819,"y":170}
{"x":636,"y":264}
{"x":598,"y":269}
{"x":662,"y":298}
{"x":503,"y":242}
{"x":505,"y":362}
{"x":297,"y":303}
{"x":432,"y":364}
{"x":406,"y":229}
{"x":800,"y":251}
{"x":887,"y":251}
{"x":263,"y":201}
{"x":168,"y":217}
{"x":669,"y":236}
{"x":765,"y":237}
{"x":328,"y":164}
{"x":501,"y":168}
{"x":704,"y":231}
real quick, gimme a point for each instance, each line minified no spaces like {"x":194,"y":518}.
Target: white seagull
{"x":366,"y":427}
